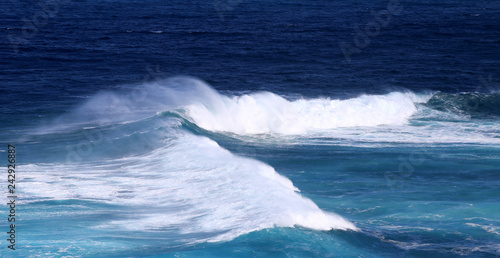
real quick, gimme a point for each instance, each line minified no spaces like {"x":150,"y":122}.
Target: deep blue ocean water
{"x":251,"y":128}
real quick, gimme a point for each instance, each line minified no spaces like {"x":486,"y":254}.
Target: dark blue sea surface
{"x":251,"y":128}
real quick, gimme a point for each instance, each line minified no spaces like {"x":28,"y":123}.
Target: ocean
{"x":233,"y":128}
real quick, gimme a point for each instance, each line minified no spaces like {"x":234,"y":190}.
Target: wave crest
{"x":191,"y":186}
{"x":266,"y":112}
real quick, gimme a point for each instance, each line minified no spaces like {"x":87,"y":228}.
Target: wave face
{"x":394,"y":117}
{"x":188,"y":183}
{"x":151,"y":148}
{"x":475,"y":105}
{"x":430,"y":117}
{"x":154,"y":159}
{"x":191,"y":184}
{"x":257,"y":113}
{"x":267,"y":113}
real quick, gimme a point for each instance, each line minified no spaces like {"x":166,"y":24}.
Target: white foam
{"x":367,"y":118}
{"x":488,"y":228}
{"x":191,"y":185}
{"x":256,"y":113}
{"x":266,"y":112}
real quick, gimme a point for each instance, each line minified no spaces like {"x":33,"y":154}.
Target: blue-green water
{"x":280,"y":146}
{"x":148,"y":183}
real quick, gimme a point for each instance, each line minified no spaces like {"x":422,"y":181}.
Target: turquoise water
{"x":150,"y":183}
{"x":285,"y":145}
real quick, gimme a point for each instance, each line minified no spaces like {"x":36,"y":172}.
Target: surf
{"x":154,"y":146}
{"x":140,"y":157}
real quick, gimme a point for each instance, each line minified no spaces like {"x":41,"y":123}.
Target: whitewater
{"x":153,"y":157}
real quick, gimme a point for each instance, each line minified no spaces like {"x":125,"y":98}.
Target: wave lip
{"x":257,"y":113}
{"x":266,"y":112}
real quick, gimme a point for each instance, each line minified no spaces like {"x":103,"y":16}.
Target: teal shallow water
{"x":162,"y":180}
{"x":447,"y":206}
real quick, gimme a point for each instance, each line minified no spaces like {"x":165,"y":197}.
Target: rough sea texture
{"x":252,"y":128}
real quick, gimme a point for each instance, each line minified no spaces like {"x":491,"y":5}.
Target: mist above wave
{"x":255,"y":113}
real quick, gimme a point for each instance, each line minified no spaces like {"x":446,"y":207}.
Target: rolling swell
{"x":191,"y":186}
{"x":473,"y":104}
